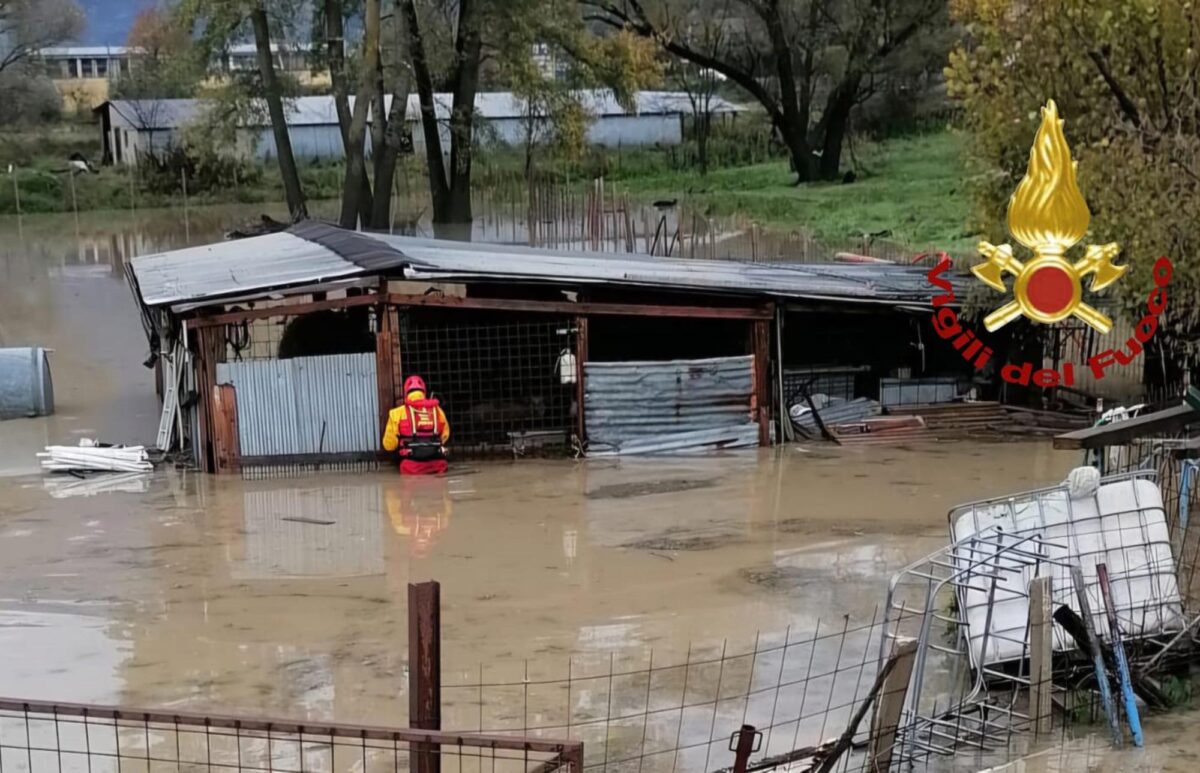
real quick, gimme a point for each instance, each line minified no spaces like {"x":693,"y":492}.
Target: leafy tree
{"x":217,"y":23}
{"x":167,"y":63}
{"x":27,"y":26}
{"x":786,"y":54}
{"x":1124,"y":74}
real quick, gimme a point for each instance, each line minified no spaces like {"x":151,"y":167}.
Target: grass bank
{"x":911,"y":191}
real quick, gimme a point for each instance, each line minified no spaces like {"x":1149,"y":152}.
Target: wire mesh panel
{"x":61,"y":738}
{"x":797,"y":687}
{"x":497,"y":375}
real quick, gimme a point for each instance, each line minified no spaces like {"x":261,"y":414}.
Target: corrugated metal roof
{"x":269,"y":263}
{"x":261,"y":263}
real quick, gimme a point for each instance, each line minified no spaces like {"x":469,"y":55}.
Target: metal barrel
{"x":25,"y":386}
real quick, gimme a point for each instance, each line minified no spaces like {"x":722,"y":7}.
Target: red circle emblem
{"x":1050,"y":290}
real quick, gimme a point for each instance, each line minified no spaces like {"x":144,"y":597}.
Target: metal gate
{"x":305,"y":406}
{"x":678,"y":405}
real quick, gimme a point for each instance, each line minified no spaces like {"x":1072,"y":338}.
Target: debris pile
{"x":90,"y":456}
{"x":956,"y":419}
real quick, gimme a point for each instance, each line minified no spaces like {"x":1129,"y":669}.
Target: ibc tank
{"x":25,"y":386}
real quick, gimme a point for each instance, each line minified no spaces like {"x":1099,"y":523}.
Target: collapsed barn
{"x":290,"y":348}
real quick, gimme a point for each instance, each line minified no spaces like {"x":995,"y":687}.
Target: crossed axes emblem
{"x":1049,"y":287}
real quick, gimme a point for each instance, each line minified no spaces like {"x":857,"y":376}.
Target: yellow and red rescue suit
{"x":419,"y":430}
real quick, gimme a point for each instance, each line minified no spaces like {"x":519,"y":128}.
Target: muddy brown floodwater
{"x":288,"y":596}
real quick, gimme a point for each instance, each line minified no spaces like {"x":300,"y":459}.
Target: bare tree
{"x":27,"y":26}
{"x":784,"y":53}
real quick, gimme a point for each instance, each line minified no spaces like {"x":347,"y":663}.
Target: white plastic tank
{"x":25,"y":386}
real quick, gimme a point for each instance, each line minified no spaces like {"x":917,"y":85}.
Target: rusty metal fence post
{"x":742,"y":743}
{"x":424,"y":672}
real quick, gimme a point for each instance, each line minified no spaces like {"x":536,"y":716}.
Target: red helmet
{"x":413,"y":384}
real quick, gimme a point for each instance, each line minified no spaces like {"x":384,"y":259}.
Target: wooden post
{"x":1041,"y":651}
{"x":424,"y":673}
{"x":581,"y":356}
{"x":226,"y":446}
{"x":210,"y":349}
{"x":760,"y":336}
{"x":386,"y":343}
{"x":890,"y":707}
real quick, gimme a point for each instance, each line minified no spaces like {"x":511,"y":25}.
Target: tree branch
{"x":617,"y":18}
{"x":1127,"y":105}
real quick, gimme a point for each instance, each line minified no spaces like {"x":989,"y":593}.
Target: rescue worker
{"x":419,"y":430}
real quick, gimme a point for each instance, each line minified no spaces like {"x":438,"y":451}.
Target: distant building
{"x":133,"y":128}
{"x":84,"y":75}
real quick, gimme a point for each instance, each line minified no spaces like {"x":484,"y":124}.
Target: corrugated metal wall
{"x":627,"y":403}
{"x":306,"y":405}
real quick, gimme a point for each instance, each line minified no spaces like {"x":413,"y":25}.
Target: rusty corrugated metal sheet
{"x":644,"y":407}
{"x":306,"y":405}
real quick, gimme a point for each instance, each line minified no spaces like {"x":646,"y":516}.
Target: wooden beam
{"x":285,"y":309}
{"x":387,"y":343}
{"x":1041,"y":652}
{"x":566,"y":307}
{"x":1121,"y":432}
{"x":760,"y":347}
{"x":890,"y":707}
{"x":581,"y":357}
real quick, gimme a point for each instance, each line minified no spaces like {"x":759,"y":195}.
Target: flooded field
{"x":288,"y":596}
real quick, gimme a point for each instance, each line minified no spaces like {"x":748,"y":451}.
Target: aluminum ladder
{"x":171,"y":372}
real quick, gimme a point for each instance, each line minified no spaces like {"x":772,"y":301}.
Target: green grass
{"x":914,"y":187}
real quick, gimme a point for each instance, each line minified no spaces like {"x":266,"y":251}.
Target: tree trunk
{"x":356,"y":170}
{"x":396,"y":138}
{"x":274,"y":96}
{"x":795,"y":137}
{"x":468,"y":49}
{"x":335,"y":45}
{"x":702,"y":127}
{"x":835,"y":122}
{"x":439,"y":191}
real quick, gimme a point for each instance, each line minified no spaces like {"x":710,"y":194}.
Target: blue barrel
{"x":25,"y":385}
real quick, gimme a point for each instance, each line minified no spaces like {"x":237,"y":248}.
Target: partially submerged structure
{"x":290,"y":348}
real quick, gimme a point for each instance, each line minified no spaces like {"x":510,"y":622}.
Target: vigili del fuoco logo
{"x":1048,"y":215}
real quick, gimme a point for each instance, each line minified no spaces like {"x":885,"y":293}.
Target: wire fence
{"x":797,"y":688}
{"x":72,"y":738}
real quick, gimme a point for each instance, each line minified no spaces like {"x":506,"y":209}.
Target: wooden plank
{"x":284,"y":309}
{"x":566,"y":307}
{"x":760,"y":335}
{"x":1121,"y":432}
{"x":226,"y":446}
{"x":1041,"y":643}
{"x":890,"y":707}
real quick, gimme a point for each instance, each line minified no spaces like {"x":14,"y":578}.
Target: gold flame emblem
{"x":1048,"y":215}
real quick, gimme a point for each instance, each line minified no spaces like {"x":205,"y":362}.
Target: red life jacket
{"x":421,"y":431}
